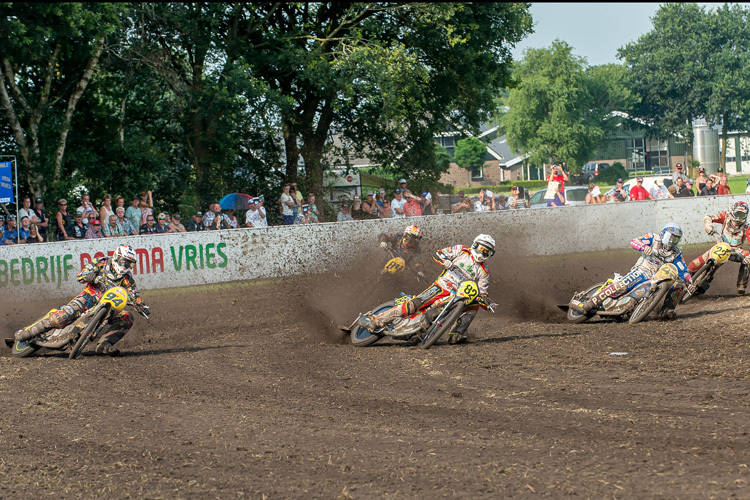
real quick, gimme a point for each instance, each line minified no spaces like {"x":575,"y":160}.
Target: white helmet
{"x":123,"y":259}
{"x":483,"y":247}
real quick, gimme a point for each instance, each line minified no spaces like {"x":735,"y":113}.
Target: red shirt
{"x":639,"y":193}
{"x":721,"y":189}
{"x":559,"y":178}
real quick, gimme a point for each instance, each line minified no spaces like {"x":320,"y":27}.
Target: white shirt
{"x":256,"y":217}
{"x":286,"y":209}
{"x":400,"y":205}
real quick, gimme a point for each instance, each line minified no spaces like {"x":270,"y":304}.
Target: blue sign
{"x":6,"y":182}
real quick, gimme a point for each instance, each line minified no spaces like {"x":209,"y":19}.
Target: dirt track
{"x":248,"y":391}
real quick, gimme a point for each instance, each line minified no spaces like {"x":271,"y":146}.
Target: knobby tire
{"x":698,"y":280}
{"x":643,"y":309}
{"x":437,"y":330}
{"x":90,"y":328}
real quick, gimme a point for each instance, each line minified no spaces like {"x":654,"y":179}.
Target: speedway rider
{"x":734,"y":231}
{"x":404,"y":245}
{"x":470,"y":260}
{"x":98,"y":275}
{"x":656,"y":251}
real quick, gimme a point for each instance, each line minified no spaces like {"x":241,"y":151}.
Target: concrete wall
{"x":165,"y":261}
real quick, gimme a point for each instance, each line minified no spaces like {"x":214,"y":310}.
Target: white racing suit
{"x":460,"y":256}
{"x":734,"y":235}
{"x":643,"y":270}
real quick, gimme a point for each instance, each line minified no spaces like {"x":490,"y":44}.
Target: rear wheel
{"x":700,"y":278}
{"x":439,"y":328}
{"x":362,"y":337}
{"x":648,"y":304}
{"x":91,"y":327}
{"x":579,"y":317}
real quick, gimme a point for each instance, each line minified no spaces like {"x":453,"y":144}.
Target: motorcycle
{"x":634,"y":305}
{"x":396,"y":267}
{"x":112,"y":302}
{"x":428,"y":323}
{"x":703,"y":277}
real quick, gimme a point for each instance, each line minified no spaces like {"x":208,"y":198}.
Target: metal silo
{"x":706,"y":146}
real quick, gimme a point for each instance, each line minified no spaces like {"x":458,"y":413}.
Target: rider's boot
{"x":372,"y":323}
{"x":594,"y":302}
{"x":458,"y":336}
{"x":38,"y":328}
{"x":670,"y":302}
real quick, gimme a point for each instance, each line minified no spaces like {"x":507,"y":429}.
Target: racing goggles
{"x":126,"y":263}
{"x":740,"y":216}
{"x":410,"y":239}
{"x":484,"y":251}
{"x":670,"y":240}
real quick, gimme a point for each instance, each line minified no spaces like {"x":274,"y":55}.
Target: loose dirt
{"x":249,"y":390}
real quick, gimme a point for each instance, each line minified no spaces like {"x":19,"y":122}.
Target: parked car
{"x":588,"y":172}
{"x":648,"y":182}
{"x":574,"y":195}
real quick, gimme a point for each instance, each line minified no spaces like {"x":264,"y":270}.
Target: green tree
{"x":49,"y":54}
{"x":470,"y":153}
{"x":560,"y":108}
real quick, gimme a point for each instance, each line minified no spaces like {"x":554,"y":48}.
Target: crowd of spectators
{"x":86,"y":222}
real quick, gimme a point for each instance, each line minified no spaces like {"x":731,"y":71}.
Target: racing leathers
{"x":461,"y":258}
{"x":653,"y":257}
{"x":411,"y":254}
{"x":734,"y":233}
{"x":97,"y":280}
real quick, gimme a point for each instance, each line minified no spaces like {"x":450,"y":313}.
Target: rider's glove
{"x":139,"y":301}
{"x":648,"y":250}
{"x":492,"y":306}
{"x":746,"y":260}
{"x":383,"y":245}
{"x":100,"y":280}
{"x":710,"y":231}
{"x":447,"y":263}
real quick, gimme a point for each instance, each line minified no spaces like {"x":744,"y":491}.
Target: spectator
{"x":86,"y":209}
{"x":463,"y":205}
{"x":256,"y":214}
{"x":682,"y":189}
{"x":387,"y":211}
{"x":195,"y":223}
{"x":26,"y":210}
{"x":42,"y":221}
{"x":427,"y":207}
{"x":94,"y":231}
{"x":34,"y":235}
{"x":297,"y":197}
{"x":133,"y":212}
{"x":678,"y":174}
{"x":233,"y":222}
{"x":397,"y":204}
{"x":10,"y":235}
{"x":146,"y":204}
{"x":314,"y":213}
{"x":176,"y":225}
{"x":619,"y":194}
{"x":303,"y":217}
{"x":119,"y":202}
{"x":501,"y":202}
{"x":516,"y":200}
{"x":23,"y":231}
{"x":63,"y":220}
{"x":558,"y":200}
{"x":701,"y":179}
{"x":723,"y":187}
{"x":288,"y":205}
{"x":379,"y":198}
{"x":2,"y":227}
{"x":356,"y":211}
{"x":592,"y":196}
{"x":370,"y":207}
{"x":125,"y":224}
{"x":402,"y":185}
{"x":161,"y":224}
{"x":112,"y":228}
{"x":344,"y":214}
{"x":709,"y":190}
{"x":106,"y":210}
{"x":77,"y":230}
{"x":659,"y":191}
{"x":214,"y":219}
{"x":483,"y":203}
{"x":413,"y":206}
{"x":747,"y":189}
{"x":719,"y":176}
{"x":638,"y":192}
{"x":149,"y":227}
{"x":558,"y":175}
{"x":672,"y":191}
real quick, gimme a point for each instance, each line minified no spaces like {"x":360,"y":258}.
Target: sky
{"x":594,"y":30}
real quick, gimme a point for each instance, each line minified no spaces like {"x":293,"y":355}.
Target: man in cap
{"x":678,"y":173}
{"x":638,"y":192}
{"x":196,"y":223}
{"x":10,"y":235}
{"x":618,"y":193}
{"x":344,"y":214}
{"x":42,"y":221}
{"x":402,"y":185}
{"x":95,"y":230}
{"x":684,"y":188}
{"x":397,"y":204}
{"x":2,"y":226}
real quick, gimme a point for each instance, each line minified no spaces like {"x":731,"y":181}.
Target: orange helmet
{"x":412,"y":235}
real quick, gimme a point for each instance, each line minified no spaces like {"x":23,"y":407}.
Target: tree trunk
{"x":723,"y":146}
{"x":292,"y":151}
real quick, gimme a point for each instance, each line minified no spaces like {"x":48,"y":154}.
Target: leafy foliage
{"x":470,"y":152}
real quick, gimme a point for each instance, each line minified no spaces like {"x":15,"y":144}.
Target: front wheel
{"x":648,"y":304}
{"x":22,"y":349}
{"x":86,"y":333}
{"x":438,"y":328}
{"x":362,"y":337}
{"x":701,"y":277}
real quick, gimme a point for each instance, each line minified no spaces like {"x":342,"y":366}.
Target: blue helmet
{"x":670,"y":236}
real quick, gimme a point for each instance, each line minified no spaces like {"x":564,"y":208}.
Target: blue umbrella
{"x":236,"y":201}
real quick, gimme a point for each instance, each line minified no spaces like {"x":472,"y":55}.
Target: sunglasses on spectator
{"x":63,"y":204}
{"x":149,"y":220}
{"x":161,"y":218}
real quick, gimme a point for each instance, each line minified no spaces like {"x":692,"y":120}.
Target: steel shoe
{"x":368,"y":323}
{"x":457,"y":338}
{"x":105,"y":348}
